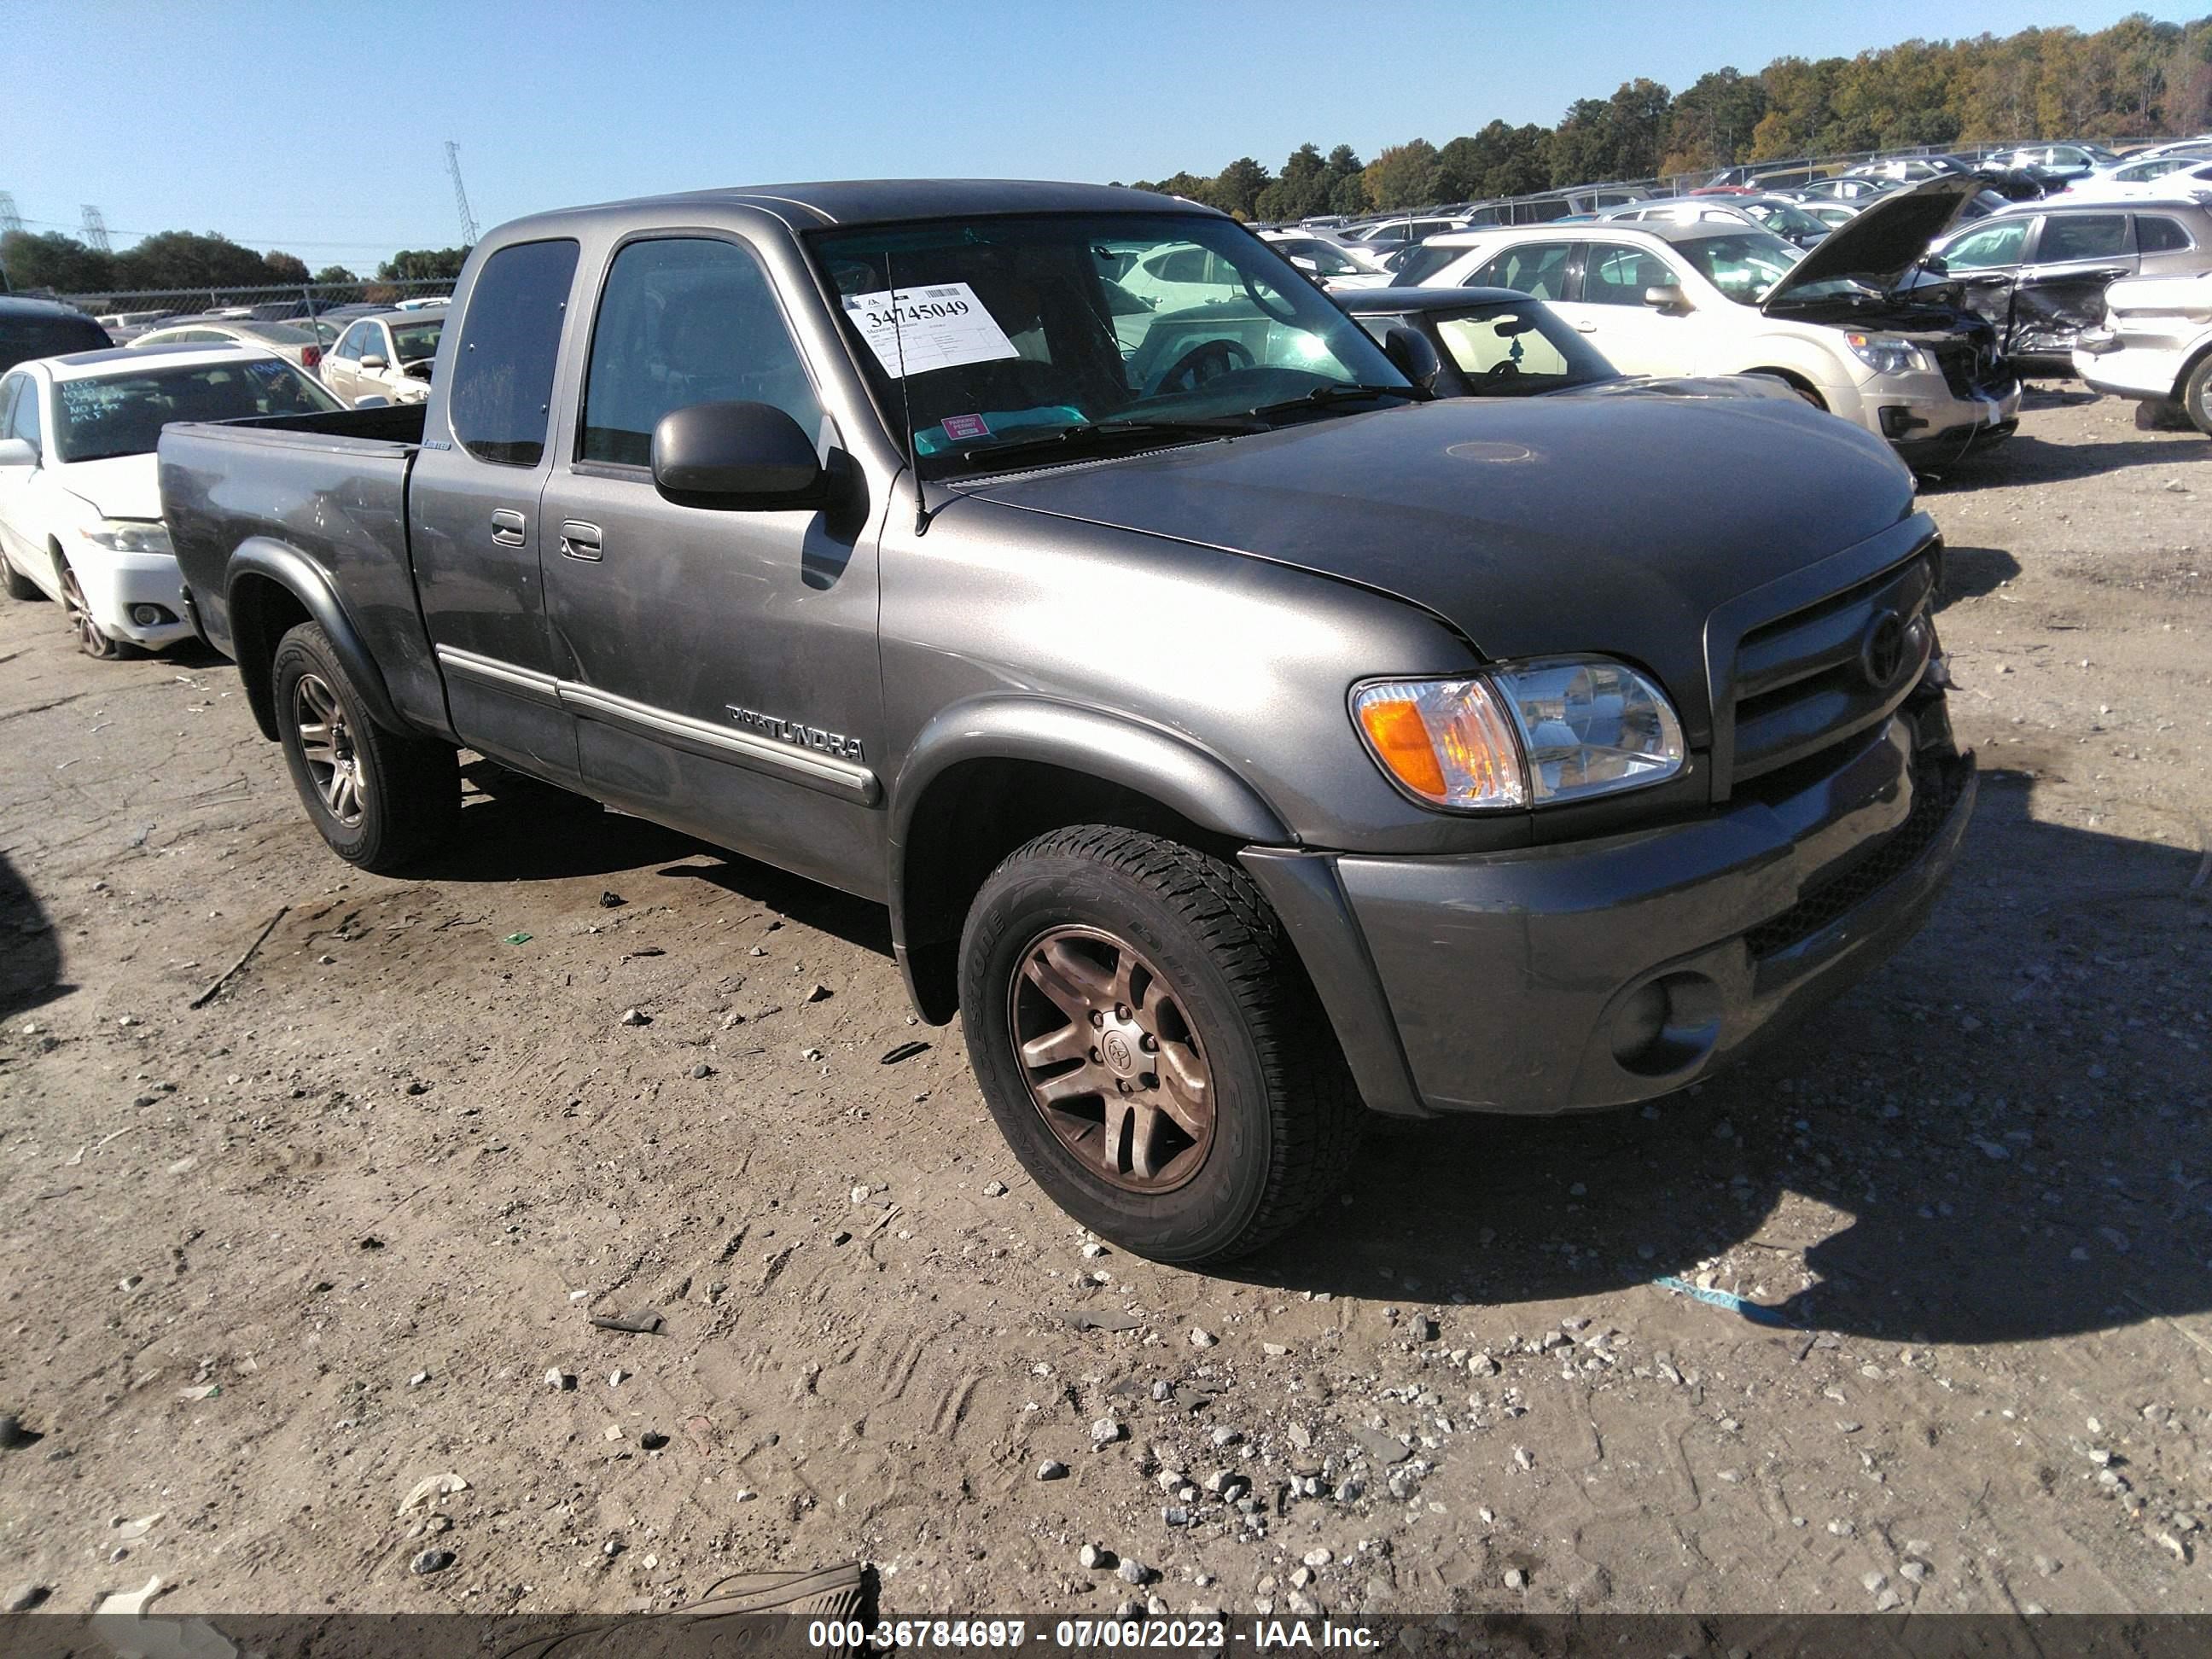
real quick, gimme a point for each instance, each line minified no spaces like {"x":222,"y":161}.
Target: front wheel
{"x":91,"y":638}
{"x":1147,"y":1041}
{"x":380,"y":798}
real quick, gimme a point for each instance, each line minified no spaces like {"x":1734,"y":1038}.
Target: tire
{"x":2196,"y":395}
{"x":91,"y":638}
{"x":1197,"y":986}
{"x":380,"y":798}
{"x":19,"y":586}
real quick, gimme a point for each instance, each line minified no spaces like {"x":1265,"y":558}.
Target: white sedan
{"x":80,"y":497}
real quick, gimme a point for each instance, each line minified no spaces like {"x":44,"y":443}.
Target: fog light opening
{"x":1667,"y":1025}
{"x":150,"y":616}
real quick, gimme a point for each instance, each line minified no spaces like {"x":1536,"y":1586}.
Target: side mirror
{"x":1665,"y":296}
{"x":740,"y":455}
{"x":1935,"y":265}
{"x":374,"y":360}
{"x":17,"y":451}
{"x":1412,"y":356}
{"x":374,"y":402}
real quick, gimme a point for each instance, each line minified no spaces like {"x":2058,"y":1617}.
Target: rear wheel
{"x":19,"y":586}
{"x":91,"y":638}
{"x":1149,"y":1045}
{"x":380,"y":798}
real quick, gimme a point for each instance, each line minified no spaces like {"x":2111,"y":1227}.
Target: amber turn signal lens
{"x":1449,"y":743}
{"x":1401,"y":743}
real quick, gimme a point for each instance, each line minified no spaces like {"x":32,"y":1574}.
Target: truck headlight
{"x":1530,"y":733}
{"x":1885,"y":355}
{"x":131,"y":535}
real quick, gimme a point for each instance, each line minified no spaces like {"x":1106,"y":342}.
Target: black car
{"x":1489,"y":342}
{"x":40,"y":328}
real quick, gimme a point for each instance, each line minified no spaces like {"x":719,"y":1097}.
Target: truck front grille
{"x":1808,"y":680}
{"x":1934,"y":792}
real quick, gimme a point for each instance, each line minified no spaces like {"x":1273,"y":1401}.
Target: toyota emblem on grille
{"x":1883,"y":650}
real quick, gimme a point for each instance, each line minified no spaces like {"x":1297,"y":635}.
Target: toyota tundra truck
{"x":1241,"y":739}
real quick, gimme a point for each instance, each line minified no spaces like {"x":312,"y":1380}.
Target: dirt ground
{"x":269,"y":1263}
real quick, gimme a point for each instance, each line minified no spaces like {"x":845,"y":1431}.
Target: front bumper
{"x":1594,"y":974}
{"x":1925,"y":420}
{"x":114,"y":583}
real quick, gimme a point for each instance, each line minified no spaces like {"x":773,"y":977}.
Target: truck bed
{"x":321,"y":495}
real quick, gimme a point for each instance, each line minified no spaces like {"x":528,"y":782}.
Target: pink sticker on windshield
{"x":966,"y":426}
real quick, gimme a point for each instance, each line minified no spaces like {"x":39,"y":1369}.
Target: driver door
{"x":1984,"y":264}
{"x":715,"y":660}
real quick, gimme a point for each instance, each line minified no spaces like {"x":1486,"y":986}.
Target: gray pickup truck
{"x":1238,"y":735}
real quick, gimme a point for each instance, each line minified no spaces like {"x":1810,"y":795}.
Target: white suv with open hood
{"x":1701,"y":298}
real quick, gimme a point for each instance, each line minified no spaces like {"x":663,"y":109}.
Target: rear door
{"x":472,"y":519}
{"x":2062,"y":289}
{"x":723,"y":664}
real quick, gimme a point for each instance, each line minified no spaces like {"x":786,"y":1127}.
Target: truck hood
{"x":120,"y":487}
{"x":1532,"y":525}
{"x":1879,"y":245}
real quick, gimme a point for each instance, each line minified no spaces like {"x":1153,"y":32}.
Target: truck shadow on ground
{"x":1971,"y":572}
{"x":30,"y":947}
{"x":1981,"y":1164}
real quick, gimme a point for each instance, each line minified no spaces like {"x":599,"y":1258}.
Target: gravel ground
{"x":271,"y":1263}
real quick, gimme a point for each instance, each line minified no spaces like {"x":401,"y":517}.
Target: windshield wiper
{"x":1321,"y":395}
{"x":1071,"y":440}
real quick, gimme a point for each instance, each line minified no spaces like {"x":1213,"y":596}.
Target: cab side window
{"x":351,"y":346}
{"x":2157,"y":235}
{"x":685,"y":320}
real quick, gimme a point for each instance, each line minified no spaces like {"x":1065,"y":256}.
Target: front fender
{"x":1159,"y":765}
{"x":257,"y":623}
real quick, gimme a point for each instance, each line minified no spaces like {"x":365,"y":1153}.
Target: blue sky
{"x":320,"y":128}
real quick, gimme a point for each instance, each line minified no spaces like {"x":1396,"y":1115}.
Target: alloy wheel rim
{"x":89,"y":638}
{"x":1112,"y":1063}
{"x":326,"y":744}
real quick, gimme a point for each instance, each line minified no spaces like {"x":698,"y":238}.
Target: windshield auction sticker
{"x":939,"y":327}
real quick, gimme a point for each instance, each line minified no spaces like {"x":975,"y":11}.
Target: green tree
{"x":285,"y":267}
{"x":335,"y":274}
{"x":184,"y":258}
{"x":421,"y":265}
{"x":1403,"y":175}
{"x":55,"y":261}
{"x":1710,"y":122}
{"x":1236,"y":188}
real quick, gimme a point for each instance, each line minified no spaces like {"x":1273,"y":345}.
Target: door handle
{"x":579,"y":540}
{"x":508,"y":527}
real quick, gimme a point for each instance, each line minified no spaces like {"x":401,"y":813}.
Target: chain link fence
{"x":287,"y":302}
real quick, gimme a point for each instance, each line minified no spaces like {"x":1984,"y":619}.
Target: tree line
{"x":2139,"y":78}
{"x":189,"y":259}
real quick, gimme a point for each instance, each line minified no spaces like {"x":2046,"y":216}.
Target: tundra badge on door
{"x":806,"y":737}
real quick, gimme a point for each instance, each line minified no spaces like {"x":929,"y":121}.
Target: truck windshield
{"x":1012,"y":330}
{"x":124,"y":413}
